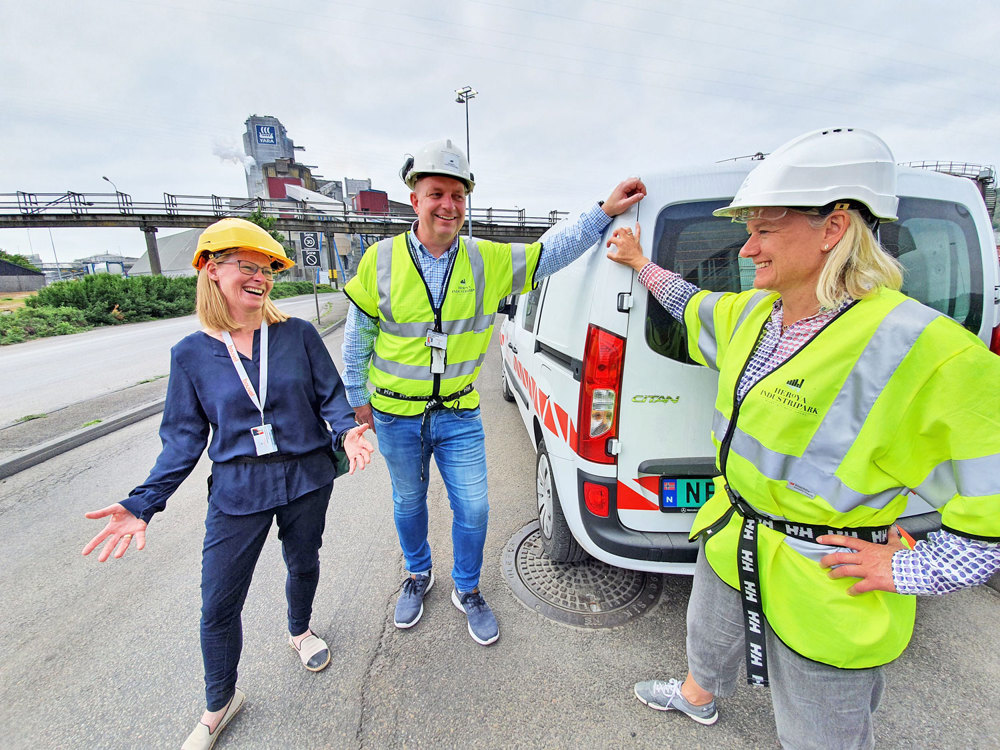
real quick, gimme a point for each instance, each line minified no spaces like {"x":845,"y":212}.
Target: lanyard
{"x":241,"y":371}
{"x":749,"y":570}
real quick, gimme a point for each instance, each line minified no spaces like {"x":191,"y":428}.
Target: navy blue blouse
{"x":204,"y":394}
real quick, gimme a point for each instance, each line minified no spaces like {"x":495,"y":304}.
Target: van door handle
{"x":512,"y":348}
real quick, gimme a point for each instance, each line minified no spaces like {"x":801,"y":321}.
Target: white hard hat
{"x":437,"y":157}
{"x":833,"y":168}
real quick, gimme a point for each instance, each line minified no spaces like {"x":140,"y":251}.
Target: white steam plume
{"x":229,"y":152}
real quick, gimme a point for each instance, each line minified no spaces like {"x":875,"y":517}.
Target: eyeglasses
{"x":767,"y":213}
{"x":249,"y":269}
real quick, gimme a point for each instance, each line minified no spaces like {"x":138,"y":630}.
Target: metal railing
{"x":983,"y":175}
{"x":41,"y":205}
{"x":978,"y":172}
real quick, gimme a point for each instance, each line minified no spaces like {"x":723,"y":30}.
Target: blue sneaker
{"x":410,"y":604}
{"x":482,"y":624}
{"x":666,"y":696}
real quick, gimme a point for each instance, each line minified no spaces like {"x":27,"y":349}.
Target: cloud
{"x":573,"y":94}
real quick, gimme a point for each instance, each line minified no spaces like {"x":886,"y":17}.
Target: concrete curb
{"x":59,"y":445}
{"x":333,"y":327}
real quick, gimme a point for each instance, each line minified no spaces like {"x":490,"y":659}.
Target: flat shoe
{"x":201,"y":738}
{"x":313,"y":652}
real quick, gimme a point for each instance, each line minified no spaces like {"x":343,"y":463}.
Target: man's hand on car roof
{"x":625,"y":195}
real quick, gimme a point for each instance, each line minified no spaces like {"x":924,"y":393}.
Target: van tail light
{"x":995,"y":343}
{"x":595,"y":497}
{"x":600,"y":394}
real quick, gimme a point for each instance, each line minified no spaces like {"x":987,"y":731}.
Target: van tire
{"x":557,"y":539}
{"x":505,"y":391}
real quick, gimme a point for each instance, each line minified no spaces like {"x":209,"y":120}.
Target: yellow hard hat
{"x":239,"y":234}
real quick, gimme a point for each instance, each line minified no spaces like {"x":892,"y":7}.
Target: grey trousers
{"x":815,"y":705}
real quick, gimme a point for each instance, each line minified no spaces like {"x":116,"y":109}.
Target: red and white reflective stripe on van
{"x":600,"y":394}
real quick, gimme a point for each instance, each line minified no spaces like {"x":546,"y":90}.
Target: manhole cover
{"x":586,"y":594}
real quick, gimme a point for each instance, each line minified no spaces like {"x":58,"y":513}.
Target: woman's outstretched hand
{"x":359,"y":450}
{"x":121,"y":528}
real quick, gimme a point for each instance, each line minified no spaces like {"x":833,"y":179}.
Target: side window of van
{"x":935,"y":241}
{"x":530,"y":303}
{"x":704,"y":250}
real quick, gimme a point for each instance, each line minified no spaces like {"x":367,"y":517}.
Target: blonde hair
{"x":213,"y":312}
{"x":857,"y":266}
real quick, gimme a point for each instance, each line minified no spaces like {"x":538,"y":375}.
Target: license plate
{"x":684,"y":494}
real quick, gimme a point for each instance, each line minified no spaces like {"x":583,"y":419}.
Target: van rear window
{"x":936,"y":242}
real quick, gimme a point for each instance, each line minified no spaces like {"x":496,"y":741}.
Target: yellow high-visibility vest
{"x":390,"y":289}
{"x":890,"y":396}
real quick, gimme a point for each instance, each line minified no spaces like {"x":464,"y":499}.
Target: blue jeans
{"x":232,"y":546}
{"x":456,"y":439}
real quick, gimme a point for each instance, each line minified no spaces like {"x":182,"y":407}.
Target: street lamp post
{"x":52,"y":242}
{"x":118,"y":193}
{"x":462,"y":97}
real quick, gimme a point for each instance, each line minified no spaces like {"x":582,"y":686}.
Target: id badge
{"x":263,"y":439}
{"x":436,"y":340}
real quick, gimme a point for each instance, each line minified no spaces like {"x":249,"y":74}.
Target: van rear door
{"x":666,"y":460}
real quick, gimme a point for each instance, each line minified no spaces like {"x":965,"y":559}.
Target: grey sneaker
{"x":666,"y":696}
{"x":482,"y":624}
{"x":410,"y":604}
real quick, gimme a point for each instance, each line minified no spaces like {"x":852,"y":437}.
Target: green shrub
{"x":36,"y":322}
{"x":106,"y":299}
{"x":294,"y":288}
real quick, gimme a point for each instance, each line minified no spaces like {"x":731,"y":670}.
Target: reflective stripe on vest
{"x":971,"y":477}
{"x":707,"y":343}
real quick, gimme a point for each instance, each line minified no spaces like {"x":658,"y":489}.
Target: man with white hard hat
{"x":418,"y":328}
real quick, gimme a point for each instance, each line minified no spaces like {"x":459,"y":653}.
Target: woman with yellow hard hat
{"x":259,"y":387}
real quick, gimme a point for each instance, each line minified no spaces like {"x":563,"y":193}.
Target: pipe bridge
{"x":26,"y":210}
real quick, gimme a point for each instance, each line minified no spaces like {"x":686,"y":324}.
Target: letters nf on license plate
{"x":684,"y":494}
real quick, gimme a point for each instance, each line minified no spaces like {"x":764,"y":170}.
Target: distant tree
{"x":268,"y":222}
{"x":18,"y":260}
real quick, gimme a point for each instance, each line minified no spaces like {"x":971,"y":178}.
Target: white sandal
{"x":313,"y":652}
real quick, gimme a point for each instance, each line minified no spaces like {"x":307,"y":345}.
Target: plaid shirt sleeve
{"x":359,"y":344}
{"x":945,"y":562}
{"x":669,"y":289}
{"x":565,"y":246}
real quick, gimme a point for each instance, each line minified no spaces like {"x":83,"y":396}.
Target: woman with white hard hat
{"x":259,"y":387}
{"x":837,"y":395}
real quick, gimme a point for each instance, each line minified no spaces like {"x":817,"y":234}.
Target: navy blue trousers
{"x":232,"y":547}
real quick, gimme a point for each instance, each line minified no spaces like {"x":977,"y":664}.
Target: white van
{"x":590,"y":350}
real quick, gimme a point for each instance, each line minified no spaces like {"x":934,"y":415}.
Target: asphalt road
{"x":107,"y":656}
{"x":43,"y":375}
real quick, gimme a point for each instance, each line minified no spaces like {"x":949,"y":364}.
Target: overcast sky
{"x":573,"y":95}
